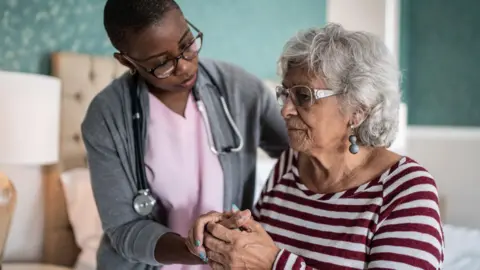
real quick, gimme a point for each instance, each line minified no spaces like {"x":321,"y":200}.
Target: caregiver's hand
{"x":228,"y":249}
{"x":232,"y":220}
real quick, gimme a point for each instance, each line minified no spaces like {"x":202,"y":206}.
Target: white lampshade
{"x":29,"y":118}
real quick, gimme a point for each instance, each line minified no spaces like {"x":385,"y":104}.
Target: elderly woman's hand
{"x":227,"y":249}
{"x":232,"y":220}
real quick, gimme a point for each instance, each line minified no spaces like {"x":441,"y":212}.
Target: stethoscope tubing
{"x":143,"y":203}
{"x":206,"y":122}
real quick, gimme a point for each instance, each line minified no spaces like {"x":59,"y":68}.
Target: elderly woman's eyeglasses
{"x":189,"y":52}
{"x":301,"y":95}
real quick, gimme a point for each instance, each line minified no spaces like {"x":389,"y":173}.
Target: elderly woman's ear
{"x":357,"y":118}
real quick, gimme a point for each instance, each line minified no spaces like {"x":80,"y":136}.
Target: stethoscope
{"x":144,"y":202}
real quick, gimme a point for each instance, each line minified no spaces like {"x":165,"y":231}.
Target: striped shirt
{"x":391,"y":222}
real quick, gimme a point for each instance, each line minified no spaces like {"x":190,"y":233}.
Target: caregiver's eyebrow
{"x":162,"y":53}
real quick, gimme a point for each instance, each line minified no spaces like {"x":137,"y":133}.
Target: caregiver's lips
{"x":189,"y":82}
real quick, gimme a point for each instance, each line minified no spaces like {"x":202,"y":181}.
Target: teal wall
{"x":31,"y":29}
{"x":440,"y":55}
{"x":250,"y":33}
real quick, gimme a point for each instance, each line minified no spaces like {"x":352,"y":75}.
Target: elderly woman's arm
{"x":409,"y":234}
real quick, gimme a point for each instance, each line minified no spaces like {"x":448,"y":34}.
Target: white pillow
{"x":83,"y":215}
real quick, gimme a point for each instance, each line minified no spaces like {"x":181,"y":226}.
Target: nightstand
{"x":31,"y":266}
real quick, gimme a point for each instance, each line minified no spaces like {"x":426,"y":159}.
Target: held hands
{"x":227,"y":247}
{"x":233,"y":219}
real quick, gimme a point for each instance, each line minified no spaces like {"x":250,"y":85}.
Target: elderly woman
{"x":338,"y":199}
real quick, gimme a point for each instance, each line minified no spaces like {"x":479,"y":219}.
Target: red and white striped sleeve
{"x":281,"y":167}
{"x":409,"y":233}
{"x":287,"y":260}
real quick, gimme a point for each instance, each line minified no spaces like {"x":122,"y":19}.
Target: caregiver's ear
{"x":123,"y":61}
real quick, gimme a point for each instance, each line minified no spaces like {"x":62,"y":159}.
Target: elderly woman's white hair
{"x":360,"y":67}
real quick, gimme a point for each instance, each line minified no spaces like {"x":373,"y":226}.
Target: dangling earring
{"x":133,"y":71}
{"x":353,"y":148}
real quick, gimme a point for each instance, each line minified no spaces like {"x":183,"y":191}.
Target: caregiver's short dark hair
{"x":122,"y":16}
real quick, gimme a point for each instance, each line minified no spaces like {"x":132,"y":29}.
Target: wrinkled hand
{"x":228,"y":249}
{"x":232,"y":220}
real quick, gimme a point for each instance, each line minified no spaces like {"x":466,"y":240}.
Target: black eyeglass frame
{"x":175,"y":59}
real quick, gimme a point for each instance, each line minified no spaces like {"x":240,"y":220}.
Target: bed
{"x":70,"y":240}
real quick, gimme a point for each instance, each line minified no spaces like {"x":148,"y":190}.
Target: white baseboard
{"x":443,"y":132}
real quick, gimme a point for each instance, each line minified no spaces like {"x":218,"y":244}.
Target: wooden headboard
{"x":82,"y":77}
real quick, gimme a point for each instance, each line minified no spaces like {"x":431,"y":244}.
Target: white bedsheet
{"x":462,"y":248}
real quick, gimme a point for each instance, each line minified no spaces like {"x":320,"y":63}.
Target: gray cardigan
{"x":129,"y":239}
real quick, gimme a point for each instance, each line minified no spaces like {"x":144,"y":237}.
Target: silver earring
{"x":133,"y":71}
{"x":353,"y":148}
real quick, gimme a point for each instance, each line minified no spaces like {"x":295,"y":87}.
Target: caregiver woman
{"x":160,"y":47}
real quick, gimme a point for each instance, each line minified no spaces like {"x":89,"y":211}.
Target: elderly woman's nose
{"x":288,"y":109}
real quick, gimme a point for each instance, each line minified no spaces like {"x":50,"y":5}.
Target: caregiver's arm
{"x":171,"y":249}
{"x":133,"y":237}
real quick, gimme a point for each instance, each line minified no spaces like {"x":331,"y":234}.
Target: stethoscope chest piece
{"x":144,"y":202}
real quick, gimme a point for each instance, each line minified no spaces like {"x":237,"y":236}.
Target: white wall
{"x":380,"y":17}
{"x":451,"y":156}
{"x":364,"y":15}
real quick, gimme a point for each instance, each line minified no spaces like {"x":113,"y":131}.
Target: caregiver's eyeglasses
{"x":189,"y":52}
{"x":301,"y":95}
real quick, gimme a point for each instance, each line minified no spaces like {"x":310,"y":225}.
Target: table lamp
{"x":29,"y":132}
